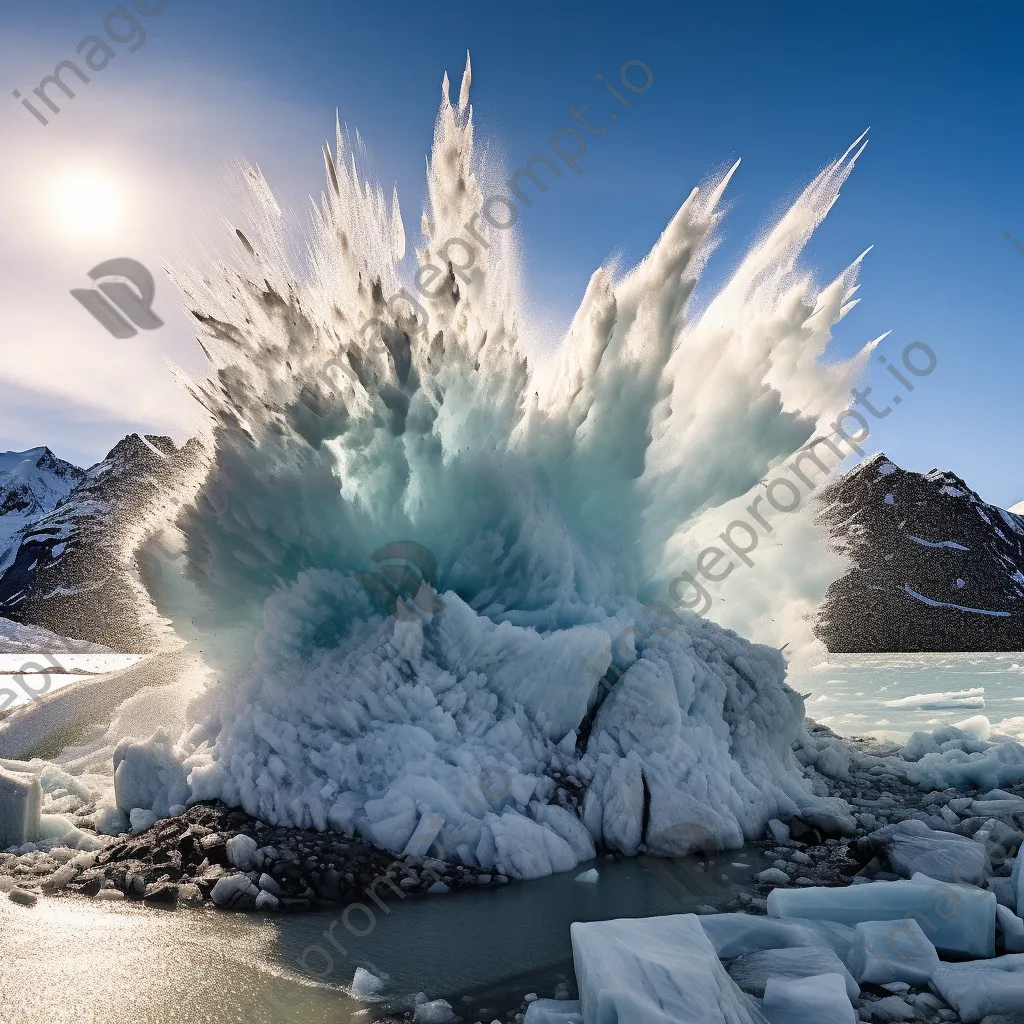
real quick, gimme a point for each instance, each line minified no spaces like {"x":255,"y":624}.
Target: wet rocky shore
{"x":219,"y":856}
{"x":223,"y":855}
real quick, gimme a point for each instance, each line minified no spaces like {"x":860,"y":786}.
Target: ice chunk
{"x":425,"y":835}
{"x":21,"y":796}
{"x":1018,"y":882}
{"x":888,"y":951}
{"x":587,"y":877}
{"x":1012,"y":928}
{"x":241,"y":852}
{"x":751,"y":971}
{"x":554,"y":1011}
{"x":568,"y":826}
{"x":808,"y":1000}
{"x":976,"y":990}
{"x":1000,"y":841}
{"x":736,"y":934}
{"x":266,"y":901}
{"x":150,"y":774}
{"x":366,"y":986}
{"x":657,"y":970}
{"x":141,"y":818}
{"x":957,"y":918}
{"x":438,"y":1011}
{"x":235,"y":892}
{"x":912,"y":846}
{"x":893,"y":1008}
{"x":968,"y":763}
{"x":526,"y":849}
{"x":997,"y":808}
{"x":269,"y":884}
{"x":1006,"y":894}
{"x":58,"y":827}
{"x":779,"y":830}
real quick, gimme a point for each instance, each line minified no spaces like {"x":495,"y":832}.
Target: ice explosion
{"x":531,"y":707}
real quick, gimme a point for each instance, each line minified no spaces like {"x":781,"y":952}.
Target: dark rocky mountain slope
{"x":74,"y":569}
{"x":936,"y":568}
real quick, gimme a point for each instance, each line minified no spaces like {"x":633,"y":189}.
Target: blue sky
{"x":786,"y":87}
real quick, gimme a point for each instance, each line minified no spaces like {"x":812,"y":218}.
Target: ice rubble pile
{"x":677,"y":969}
{"x":26,"y":788}
{"x":524,"y":704}
{"x":945,"y":942}
{"x":444,"y":730}
{"x":949,"y":762}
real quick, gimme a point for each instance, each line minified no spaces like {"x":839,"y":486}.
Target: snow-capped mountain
{"x":72,"y":567}
{"x":32,"y":483}
{"x":936,"y":568}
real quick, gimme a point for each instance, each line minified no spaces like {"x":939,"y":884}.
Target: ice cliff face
{"x":936,"y":568}
{"x":540,"y":688}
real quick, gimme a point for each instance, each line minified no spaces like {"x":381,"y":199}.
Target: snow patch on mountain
{"x":32,"y":483}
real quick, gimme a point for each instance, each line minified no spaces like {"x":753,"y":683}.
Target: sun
{"x":88,"y":203}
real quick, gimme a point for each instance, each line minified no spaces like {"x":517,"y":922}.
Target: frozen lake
{"x":893,"y":695}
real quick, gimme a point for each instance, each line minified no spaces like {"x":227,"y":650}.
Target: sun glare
{"x":88,"y":203}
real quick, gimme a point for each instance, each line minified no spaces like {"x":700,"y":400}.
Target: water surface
{"x":70,"y":959}
{"x":893,"y":695}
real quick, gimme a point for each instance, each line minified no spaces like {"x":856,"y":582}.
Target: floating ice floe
{"x":972,"y":698}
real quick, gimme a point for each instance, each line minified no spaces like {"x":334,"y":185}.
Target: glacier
{"x":441,"y":569}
